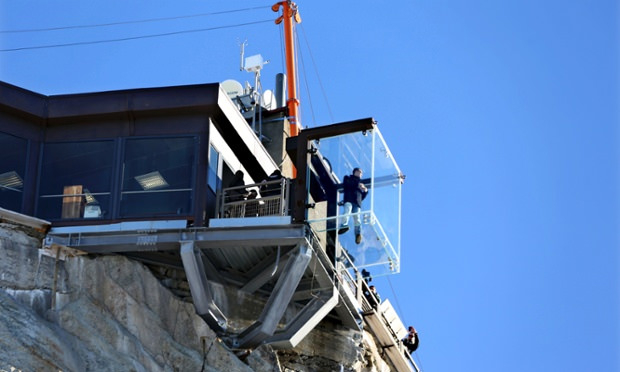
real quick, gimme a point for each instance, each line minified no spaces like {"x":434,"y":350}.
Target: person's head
{"x":276,"y":173}
{"x":253,"y":194}
{"x":366,"y":274}
{"x":411,"y":329}
{"x":239,"y":174}
{"x":372,"y":288}
{"x":357,"y":172}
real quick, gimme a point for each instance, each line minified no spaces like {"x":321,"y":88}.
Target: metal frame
{"x":299,"y":149}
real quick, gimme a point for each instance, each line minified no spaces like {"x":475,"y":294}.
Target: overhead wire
{"x":282,"y":48}
{"x":134,"y":37}
{"x":419,"y":361}
{"x":303,"y":67}
{"x":296,"y":57}
{"x":396,"y":299}
{"x":130,"y":22}
{"x":329,"y":109}
{"x":403,"y":317}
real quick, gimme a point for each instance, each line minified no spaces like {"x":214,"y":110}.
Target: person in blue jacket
{"x":354,"y":192}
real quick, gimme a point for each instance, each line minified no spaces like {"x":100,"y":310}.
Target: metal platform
{"x":284,"y":264}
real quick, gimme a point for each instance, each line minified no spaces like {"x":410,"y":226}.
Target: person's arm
{"x":363,"y":189}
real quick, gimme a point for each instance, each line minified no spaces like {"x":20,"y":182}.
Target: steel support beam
{"x":258,"y":280}
{"x":305,"y":320}
{"x":199,"y":287}
{"x":280,"y":297}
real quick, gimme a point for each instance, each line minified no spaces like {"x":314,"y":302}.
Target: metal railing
{"x":255,"y":200}
{"x":358,"y":285}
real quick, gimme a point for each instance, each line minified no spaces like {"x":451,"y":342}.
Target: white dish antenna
{"x":233,"y":88}
{"x":269,"y":100}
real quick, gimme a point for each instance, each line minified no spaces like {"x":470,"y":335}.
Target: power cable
{"x":329,"y":109}
{"x":282,"y":52}
{"x":403,"y":317}
{"x":419,"y":360}
{"x":296,"y":49}
{"x":133,"y":37}
{"x":396,"y":300}
{"x":128,"y":22}
{"x":303,"y":67}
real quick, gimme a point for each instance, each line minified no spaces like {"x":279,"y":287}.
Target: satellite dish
{"x":269,"y":100}
{"x":233,"y":88}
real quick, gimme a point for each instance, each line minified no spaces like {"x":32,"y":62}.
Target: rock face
{"x":109,"y":313}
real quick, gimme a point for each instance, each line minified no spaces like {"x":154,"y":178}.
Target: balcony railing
{"x":380,"y":317}
{"x":255,"y":200}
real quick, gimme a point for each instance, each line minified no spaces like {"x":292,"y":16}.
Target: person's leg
{"x":357,"y":222}
{"x":344,"y":220}
{"x":357,"y":219}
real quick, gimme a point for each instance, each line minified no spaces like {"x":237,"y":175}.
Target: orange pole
{"x":289,"y":12}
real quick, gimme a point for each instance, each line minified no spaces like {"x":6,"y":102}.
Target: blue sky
{"x":503,"y":115}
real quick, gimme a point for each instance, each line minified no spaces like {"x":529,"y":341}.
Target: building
{"x":151,"y":174}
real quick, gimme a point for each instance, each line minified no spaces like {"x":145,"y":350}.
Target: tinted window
{"x":76,"y":180}
{"x":12,"y":170}
{"x":214,"y":161}
{"x":157,"y":177}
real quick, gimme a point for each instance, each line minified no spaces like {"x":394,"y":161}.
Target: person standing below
{"x":354,"y":192}
{"x":412,"y":341}
{"x":372,"y":296}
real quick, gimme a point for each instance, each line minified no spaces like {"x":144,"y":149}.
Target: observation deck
{"x":136,"y":173}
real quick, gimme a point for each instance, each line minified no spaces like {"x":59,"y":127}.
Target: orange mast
{"x":289,"y":12}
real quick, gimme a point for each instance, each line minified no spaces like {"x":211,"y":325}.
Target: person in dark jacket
{"x":354,"y":192}
{"x":272,"y":188}
{"x":372,"y":296}
{"x":412,"y":341}
{"x":237,"y":193}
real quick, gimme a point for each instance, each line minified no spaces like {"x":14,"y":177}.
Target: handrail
{"x":273,"y":202}
{"x":359,"y":286}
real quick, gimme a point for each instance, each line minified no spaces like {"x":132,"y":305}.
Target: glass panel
{"x":369,"y":234}
{"x":76,"y":180}
{"x":12,"y":170}
{"x":157,"y":177}
{"x":214,"y":161}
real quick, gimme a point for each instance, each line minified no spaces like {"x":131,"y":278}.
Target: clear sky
{"x":504,"y":115}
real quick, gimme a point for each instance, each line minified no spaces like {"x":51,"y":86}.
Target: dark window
{"x":76,"y":180}
{"x":158,"y":175}
{"x":12,"y":170}
{"x":214,"y":161}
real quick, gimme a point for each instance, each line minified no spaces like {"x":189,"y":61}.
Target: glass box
{"x":377,"y":250}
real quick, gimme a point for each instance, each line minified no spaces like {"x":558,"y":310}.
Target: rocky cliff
{"x":109,"y":313}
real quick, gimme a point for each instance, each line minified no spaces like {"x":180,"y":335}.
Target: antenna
{"x":242,"y":45}
{"x":255,"y":63}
